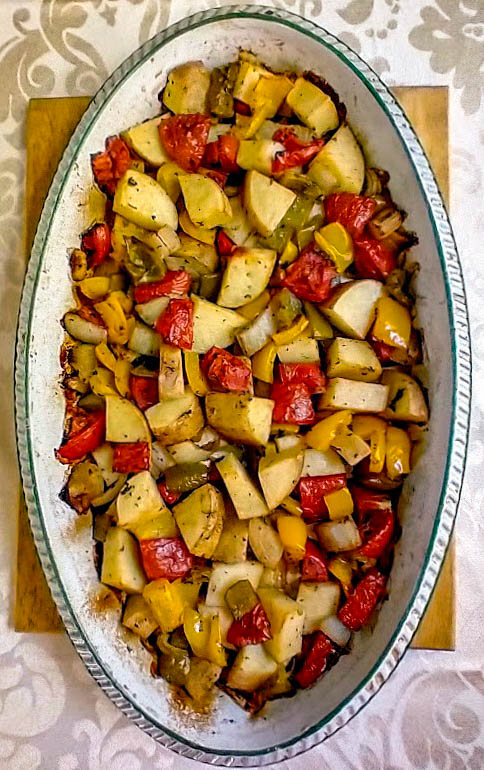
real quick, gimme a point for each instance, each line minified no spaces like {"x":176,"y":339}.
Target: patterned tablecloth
{"x":431,"y":712}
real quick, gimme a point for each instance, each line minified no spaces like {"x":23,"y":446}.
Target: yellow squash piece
{"x":286,"y":336}
{"x":205,"y":201}
{"x":252,"y":309}
{"x":290,"y":254}
{"x":122,"y":371}
{"x":393,"y":323}
{"x":165,"y":603}
{"x":196,"y":379}
{"x":195,"y":231}
{"x":372,"y":429}
{"x":263,"y":363}
{"x":335,"y":240}
{"x":105,"y":356}
{"x":95,"y":287}
{"x":114,"y":317}
{"x":398,"y":451}
{"x":340,"y":504}
{"x":323,"y":433}
{"x":293,"y":533}
{"x":313,"y":107}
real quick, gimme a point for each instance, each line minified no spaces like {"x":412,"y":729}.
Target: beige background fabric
{"x":431,"y":712}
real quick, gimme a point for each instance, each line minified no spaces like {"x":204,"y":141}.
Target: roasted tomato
{"x":309,"y":374}
{"x":165,"y":557}
{"x":310,"y":276}
{"x":144,"y":391}
{"x":175,"y":324}
{"x":312,"y":491}
{"x":293,"y":404}
{"x":313,"y":568}
{"x":373,"y":259}
{"x":131,"y":457}
{"x":109,"y":166}
{"x":85,"y":439}
{"x":315,"y":660}
{"x":352,"y":211}
{"x":225,"y":371}
{"x":251,"y":628}
{"x":361,"y":603}
{"x":173,"y":282}
{"x":185,"y":137}
{"x":96,"y":242}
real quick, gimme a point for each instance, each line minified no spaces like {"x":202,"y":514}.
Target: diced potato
{"x":161,"y":459}
{"x":318,"y":600}
{"x":246,"y":498}
{"x":213,"y":325}
{"x":279,"y":474}
{"x":167,"y":177}
{"x":239,"y":228}
{"x":313,"y":107}
{"x":232,"y":546}
{"x":287,"y":621}
{"x":265,"y":542}
{"x":258,"y":333}
{"x":352,"y":359}
{"x":239,"y":417}
{"x":170,"y":378}
{"x":266,"y":201}
{"x":121,"y":566}
{"x":319,"y":463}
{"x":406,"y":401}
{"x":320,"y":328}
{"x":205,"y":201}
{"x":200,"y":519}
{"x":352,"y":307}
{"x":303,"y":350}
{"x":141,"y":200}
{"x":150,"y":311}
{"x":251,"y":668}
{"x":145,"y":140}
{"x":188,"y":452}
{"x":225,"y":575}
{"x":338,"y":536}
{"x":353,"y":395}
{"x":339,"y":166}
{"x":125,"y":423}
{"x":144,"y":340}
{"x":351,"y":447}
{"x":195,"y":231}
{"x":137,"y":616}
{"x":159,"y":524}
{"x":139,"y":499}
{"x":246,"y":275}
{"x":177,"y":419}
{"x":187,"y":88}
{"x":258,"y":154}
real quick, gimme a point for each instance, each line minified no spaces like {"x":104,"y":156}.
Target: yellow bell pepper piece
{"x":286,"y":428}
{"x":196,"y":378}
{"x":122,"y":371}
{"x":197,"y":631}
{"x":165,"y":603}
{"x":138,"y":165}
{"x":123,"y":299}
{"x":393,"y":323}
{"x":252,"y":309}
{"x":340,"y":504}
{"x":322,"y":434}
{"x":102,"y":383}
{"x":398,"y":452}
{"x":215,"y":650}
{"x":95,"y":287}
{"x":289,"y":254}
{"x":286,"y":336}
{"x":372,"y":429}
{"x":335,"y":240}
{"x":114,"y":317}
{"x":105,"y":356}
{"x":263,"y":362}
{"x":293,"y":533}
{"x":292,"y":506}
{"x":342,"y":571}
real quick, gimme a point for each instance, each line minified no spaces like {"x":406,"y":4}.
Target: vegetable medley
{"x":241,"y":377}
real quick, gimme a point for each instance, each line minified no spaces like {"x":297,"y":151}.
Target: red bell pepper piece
{"x":296,"y":152}
{"x":175,"y":324}
{"x":97,"y":244}
{"x":313,"y":566}
{"x":310,"y":276}
{"x":131,"y":457}
{"x":312,"y":490}
{"x":223,"y":152}
{"x":309,"y":374}
{"x":251,"y":628}
{"x":352,"y":211}
{"x":84,"y":439}
{"x":168,"y":496}
{"x":144,"y":391}
{"x":384,"y":352}
{"x":366,"y":501}
{"x":373,"y":259}
{"x":226,"y":371}
{"x":316,"y":659}
{"x":165,"y":557}
{"x":376,"y":533}
{"x":225,"y":245}
{"x":109,"y":166}
{"x":185,"y":137}
{"x":241,"y":108}
{"x":361,"y":603}
{"x":293,"y":404}
{"x":173,"y":282}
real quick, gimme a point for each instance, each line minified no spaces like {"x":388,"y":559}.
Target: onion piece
{"x":255,"y":336}
{"x":84,"y":331}
{"x":336,"y":536}
{"x":334,"y":628}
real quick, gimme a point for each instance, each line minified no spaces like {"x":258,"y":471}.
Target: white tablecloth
{"x":431,"y":712}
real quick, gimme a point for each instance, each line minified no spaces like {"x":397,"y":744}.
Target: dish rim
{"x":459,"y":429}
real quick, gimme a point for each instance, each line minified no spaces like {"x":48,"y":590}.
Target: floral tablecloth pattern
{"x":431,"y":712}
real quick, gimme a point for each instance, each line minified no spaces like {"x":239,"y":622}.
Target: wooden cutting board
{"x":49,"y":126}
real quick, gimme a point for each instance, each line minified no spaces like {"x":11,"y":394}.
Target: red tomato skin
{"x":350,"y":210}
{"x":131,"y":457}
{"x":226,"y":371}
{"x":84,"y":440}
{"x":165,"y":557}
{"x":312,"y":490}
{"x":361,"y":603}
{"x":308,"y":374}
{"x":96,"y":242}
{"x":366,"y":501}
{"x":185,"y":137}
{"x":296,"y":153}
{"x":173,"y":282}
{"x":310,"y":276}
{"x":241,"y":108}
{"x":175,"y":324}
{"x":109,"y":166}
{"x":314,"y":567}
{"x":223,"y":153}
{"x":225,"y":245}
{"x":144,"y":391}
{"x":384,"y":352}
{"x":252,"y":628}
{"x":316,"y":660}
{"x":218,"y":176}
{"x":293,"y":404}
{"x":372,"y":259}
{"x":167,"y":495}
{"x":376,"y":533}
